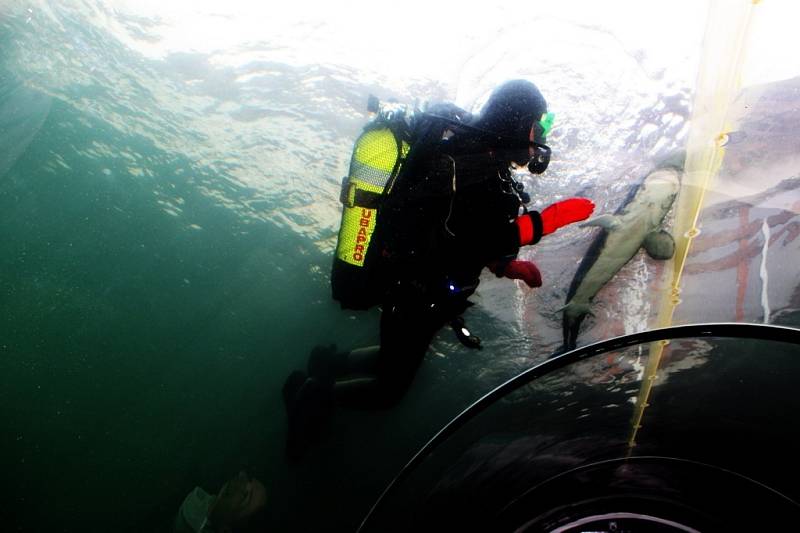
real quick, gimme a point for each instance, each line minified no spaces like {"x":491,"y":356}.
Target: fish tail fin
{"x":574,"y":313}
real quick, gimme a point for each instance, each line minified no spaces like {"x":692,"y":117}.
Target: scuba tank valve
{"x":391,"y":112}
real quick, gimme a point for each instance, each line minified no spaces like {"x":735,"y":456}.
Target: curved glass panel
{"x":719,"y":428}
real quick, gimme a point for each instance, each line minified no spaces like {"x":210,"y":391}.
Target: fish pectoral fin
{"x":659,"y":245}
{"x":608,"y":222}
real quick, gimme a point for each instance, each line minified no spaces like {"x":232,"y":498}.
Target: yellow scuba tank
{"x":377,"y":157}
{"x":372,"y":166}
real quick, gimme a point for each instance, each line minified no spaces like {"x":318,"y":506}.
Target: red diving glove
{"x":565,"y":212}
{"x":533,"y":225}
{"x":527,"y":271}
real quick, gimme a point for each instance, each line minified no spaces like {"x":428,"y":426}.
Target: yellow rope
{"x":718,"y":84}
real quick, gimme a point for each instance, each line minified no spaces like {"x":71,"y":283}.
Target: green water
{"x":129,"y":335}
{"x":146,"y":330}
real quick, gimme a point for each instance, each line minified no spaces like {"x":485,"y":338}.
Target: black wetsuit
{"x":451,"y":211}
{"x":450,"y":214}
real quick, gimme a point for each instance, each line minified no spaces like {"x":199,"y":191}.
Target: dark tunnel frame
{"x":715,"y":329}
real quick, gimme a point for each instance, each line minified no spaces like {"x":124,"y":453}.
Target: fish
{"x":638,"y":223}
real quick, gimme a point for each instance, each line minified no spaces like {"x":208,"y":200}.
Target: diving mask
{"x":540,"y":157}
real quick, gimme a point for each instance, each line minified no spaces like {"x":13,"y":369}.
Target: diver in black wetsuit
{"x":454,"y":210}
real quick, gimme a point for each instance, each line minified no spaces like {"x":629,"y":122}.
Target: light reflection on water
{"x":272,"y":103}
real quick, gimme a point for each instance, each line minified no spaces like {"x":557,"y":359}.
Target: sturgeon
{"x":636,"y":224}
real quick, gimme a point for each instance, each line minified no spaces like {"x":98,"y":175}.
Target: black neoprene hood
{"x":512,"y":110}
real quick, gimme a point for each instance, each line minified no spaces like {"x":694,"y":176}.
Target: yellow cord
{"x":718,"y":84}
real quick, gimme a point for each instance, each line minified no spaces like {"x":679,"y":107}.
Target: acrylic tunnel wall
{"x":682,"y":429}
{"x":736,"y":220}
{"x":552,"y":449}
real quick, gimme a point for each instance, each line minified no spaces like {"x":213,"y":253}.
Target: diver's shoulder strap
{"x":426,"y":140}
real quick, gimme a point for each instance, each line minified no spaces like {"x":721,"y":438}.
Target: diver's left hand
{"x":565,"y":212}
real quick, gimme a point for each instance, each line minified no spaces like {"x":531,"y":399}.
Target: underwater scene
{"x":175,"y":180}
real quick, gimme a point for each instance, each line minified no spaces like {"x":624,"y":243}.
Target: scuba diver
{"x":449,"y":206}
